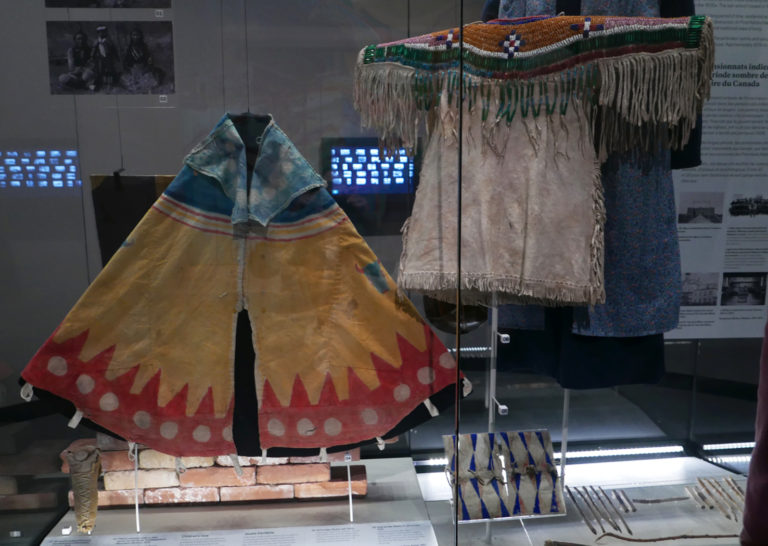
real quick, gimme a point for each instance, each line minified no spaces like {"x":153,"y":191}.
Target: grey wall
{"x":297,"y":65}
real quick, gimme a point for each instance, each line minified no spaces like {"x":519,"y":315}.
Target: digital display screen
{"x":363,"y":168}
{"x":39,"y":169}
{"x":374,"y":187}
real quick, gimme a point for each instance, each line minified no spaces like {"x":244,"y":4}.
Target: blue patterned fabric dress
{"x":642,"y":256}
{"x":581,"y":347}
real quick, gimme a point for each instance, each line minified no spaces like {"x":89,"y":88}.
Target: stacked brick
{"x":213,"y":479}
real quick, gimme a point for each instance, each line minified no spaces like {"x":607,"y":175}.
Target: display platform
{"x":415,"y":533}
{"x":655,"y":479}
{"x":394,"y":496}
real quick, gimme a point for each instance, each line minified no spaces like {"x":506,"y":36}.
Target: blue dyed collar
{"x":280,"y":173}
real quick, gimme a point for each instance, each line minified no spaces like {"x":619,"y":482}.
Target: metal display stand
{"x":494,"y":406}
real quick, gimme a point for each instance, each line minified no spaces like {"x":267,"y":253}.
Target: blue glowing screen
{"x":39,"y":169}
{"x":366,"y":169}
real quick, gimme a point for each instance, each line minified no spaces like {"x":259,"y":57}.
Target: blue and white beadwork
{"x":505,"y":474}
{"x":512,"y":43}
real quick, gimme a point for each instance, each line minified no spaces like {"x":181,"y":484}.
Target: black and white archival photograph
{"x":743,"y":289}
{"x":700,"y":207}
{"x":700,"y":289}
{"x":120,"y":57}
{"x":156,"y":4}
{"x":748,"y":205}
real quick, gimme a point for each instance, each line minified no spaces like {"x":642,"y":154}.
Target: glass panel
{"x":103,"y":110}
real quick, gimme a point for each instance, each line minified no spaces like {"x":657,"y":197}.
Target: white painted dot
{"x":276,"y":427}
{"x":369,"y":416}
{"x":425,"y":375}
{"x":142,"y":419}
{"x":57,"y":365}
{"x":201,"y":434}
{"x":85,"y":384}
{"x":169,"y":430}
{"x":305,"y":427}
{"x":226,"y":433}
{"x":447,"y":361}
{"x":109,"y":402}
{"x":332,"y":426}
{"x":402,"y":392}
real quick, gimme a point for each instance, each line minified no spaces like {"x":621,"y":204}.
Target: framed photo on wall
{"x":114,"y":57}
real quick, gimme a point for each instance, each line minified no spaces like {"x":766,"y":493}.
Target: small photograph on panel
{"x":743,"y":289}
{"x":700,"y":207}
{"x":150,"y":4}
{"x":700,"y":288}
{"x":748,"y":205}
{"x":116,"y":57}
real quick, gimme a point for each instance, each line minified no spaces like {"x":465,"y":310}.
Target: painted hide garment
{"x":643,"y":281}
{"x":619,"y":342}
{"x":538,"y":92}
{"x":246,"y":253}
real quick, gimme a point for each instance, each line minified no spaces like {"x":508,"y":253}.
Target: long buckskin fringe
{"x":637,"y":100}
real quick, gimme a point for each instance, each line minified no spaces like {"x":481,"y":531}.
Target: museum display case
{"x":234,"y":235}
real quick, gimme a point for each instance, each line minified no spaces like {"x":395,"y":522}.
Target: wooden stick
{"x":659,"y":501}
{"x":607,"y":513}
{"x":736,"y":489}
{"x":695,"y":498}
{"x":719,"y":506}
{"x":618,"y":512}
{"x":589,"y":505}
{"x":705,"y":499}
{"x":734,"y":506}
{"x":627,"y":500}
{"x":578,"y":508}
{"x":662,"y":539}
{"x":620,"y":501}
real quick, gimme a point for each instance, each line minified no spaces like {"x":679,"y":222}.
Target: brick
{"x":337,"y":457}
{"x":216,"y":477}
{"x":116,"y":460}
{"x":197,"y":462}
{"x":8,"y":485}
{"x":28,"y":501}
{"x":225,"y":460}
{"x":179,"y":495}
{"x":293,"y":473}
{"x":123,"y":497}
{"x":256,"y":492}
{"x":337,"y":486}
{"x":149,"y":459}
{"x":147,"y":479}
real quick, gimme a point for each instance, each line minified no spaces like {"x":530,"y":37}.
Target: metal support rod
{"x":694,"y":387}
{"x":348,"y":458}
{"x":457,"y":397}
{"x":491,"y":390}
{"x":487,"y":399}
{"x":564,"y":433}
{"x":492,"y":363}
{"x":136,"y":484}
